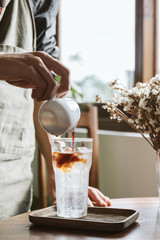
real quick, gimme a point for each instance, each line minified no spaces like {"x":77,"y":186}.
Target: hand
{"x":97,"y":198}
{"x":32,"y":70}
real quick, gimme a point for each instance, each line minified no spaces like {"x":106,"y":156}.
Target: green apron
{"x":17,"y":136}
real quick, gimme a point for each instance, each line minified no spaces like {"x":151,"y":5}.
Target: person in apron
{"x":17,"y":108}
{"x":24,"y":69}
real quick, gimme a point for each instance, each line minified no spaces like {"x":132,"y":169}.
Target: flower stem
{"x":126,"y":119}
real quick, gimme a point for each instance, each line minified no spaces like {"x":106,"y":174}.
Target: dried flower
{"x":143,"y":105}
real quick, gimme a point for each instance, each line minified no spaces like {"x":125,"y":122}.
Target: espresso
{"x":65,"y":161}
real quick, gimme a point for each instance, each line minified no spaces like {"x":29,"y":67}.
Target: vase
{"x":157,"y":158}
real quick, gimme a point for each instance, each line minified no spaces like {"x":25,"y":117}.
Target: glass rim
{"x":70,"y":139}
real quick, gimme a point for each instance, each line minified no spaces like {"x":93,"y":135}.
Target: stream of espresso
{"x":73,"y":135}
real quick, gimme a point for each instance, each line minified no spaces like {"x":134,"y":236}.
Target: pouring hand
{"x":97,"y":198}
{"x":32,"y":70}
{"x":58,"y":68}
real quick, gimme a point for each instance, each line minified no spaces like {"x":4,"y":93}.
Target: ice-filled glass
{"x":72,"y":163}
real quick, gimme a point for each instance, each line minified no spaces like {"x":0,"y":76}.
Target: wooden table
{"x":147,"y":226}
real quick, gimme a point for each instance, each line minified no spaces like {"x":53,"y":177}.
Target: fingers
{"x":90,"y":204}
{"x":49,"y":85}
{"x":59,"y":69}
{"x":61,"y":91}
{"x":45,"y":82}
{"x":41,"y":85}
{"x":61,"y":95}
{"x":104,"y":198}
{"x":99,"y":198}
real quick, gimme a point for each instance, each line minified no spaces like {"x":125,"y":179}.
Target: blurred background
{"x":103,"y":40}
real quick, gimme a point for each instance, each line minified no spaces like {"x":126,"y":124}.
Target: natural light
{"x":98,"y":43}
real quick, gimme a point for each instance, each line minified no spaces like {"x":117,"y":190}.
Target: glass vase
{"x":157,"y":158}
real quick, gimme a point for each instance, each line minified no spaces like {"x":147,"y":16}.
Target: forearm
{"x":33,"y":70}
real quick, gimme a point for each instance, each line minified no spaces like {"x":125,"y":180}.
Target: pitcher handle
{"x":55,"y":91}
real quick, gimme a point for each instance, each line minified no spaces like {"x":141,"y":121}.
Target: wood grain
{"x":147,"y":227}
{"x":99,"y":219}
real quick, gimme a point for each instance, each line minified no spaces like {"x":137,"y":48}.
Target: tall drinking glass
{"x":72,"y":163}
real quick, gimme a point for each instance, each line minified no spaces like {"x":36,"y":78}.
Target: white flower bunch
{"x":142,"y":105}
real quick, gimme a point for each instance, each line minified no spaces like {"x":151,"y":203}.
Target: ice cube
{"x":82,"y":150}
{"x":67,"y":149}
{"x":61,"y":146}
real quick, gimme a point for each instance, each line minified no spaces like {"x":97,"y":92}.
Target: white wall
{"x":127,"y":166}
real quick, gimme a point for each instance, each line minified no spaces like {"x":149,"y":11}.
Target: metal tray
{"x":98,"y":219}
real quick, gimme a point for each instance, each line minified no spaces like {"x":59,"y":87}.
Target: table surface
{"x":147,"y":225}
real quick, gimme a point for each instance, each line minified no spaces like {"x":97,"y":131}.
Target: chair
{"x":88,"y":120}
{"x":42,"y":181}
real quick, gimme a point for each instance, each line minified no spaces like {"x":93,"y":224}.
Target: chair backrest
{"x":42,"y":181}
{"x":88,"y":120}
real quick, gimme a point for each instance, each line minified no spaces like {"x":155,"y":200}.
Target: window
{"x":146,"y":40}
{"x":101,"y":40}
{"x":98,"y":43}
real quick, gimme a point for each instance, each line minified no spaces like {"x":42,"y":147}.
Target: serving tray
{"x":98,"y":219}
